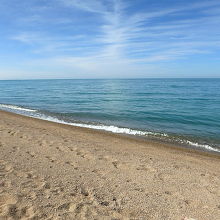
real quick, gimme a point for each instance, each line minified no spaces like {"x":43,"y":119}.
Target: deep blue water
{"x":180,"y":110}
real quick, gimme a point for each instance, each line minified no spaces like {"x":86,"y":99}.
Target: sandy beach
{"x":55,"y":171}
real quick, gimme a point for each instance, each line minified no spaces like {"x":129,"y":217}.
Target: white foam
{"x":120,"y":130}
{"x":14,"y":107}
{"x":206,"y":146}
{"x":110,"y":128}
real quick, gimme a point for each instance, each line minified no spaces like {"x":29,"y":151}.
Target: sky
{"x":42,"y":39}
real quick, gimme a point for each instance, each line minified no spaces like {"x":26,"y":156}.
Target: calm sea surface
{"x":185,"y":111}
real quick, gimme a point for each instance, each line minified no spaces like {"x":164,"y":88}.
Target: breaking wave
{"x":110,"y":128}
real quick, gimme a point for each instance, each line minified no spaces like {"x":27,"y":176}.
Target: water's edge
{"x":161,"y":137}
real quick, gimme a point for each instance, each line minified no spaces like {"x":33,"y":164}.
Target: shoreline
{"x":159,"y":137}
{"x":56,"y":171}
{"x":141,"y":139}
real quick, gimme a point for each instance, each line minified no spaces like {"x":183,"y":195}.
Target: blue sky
{"x":109,"y":38}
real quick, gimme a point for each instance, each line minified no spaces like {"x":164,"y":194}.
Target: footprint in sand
{"x":84,"y":192}
{"x":25,"y":137}
{"x":67,"y":207}
{"x":45,"y":143}
{"x":113,"y":161}
{"x":85,"y":154}
{"x":87,"y":210}
{"x":72,"y":149}
{"x":61,"y":149}
{"x":145,"y":167}
{"x":29,"y":180}
{"x":115,"y":164}
{"x":31,"y":196}
{"x":15,"y":148}
{"x":7,"y":199}
{"x":71,"y":164}
{"x":21,"y":174}
{"x":51,"y":159}
{"x":10,"y":210}
{"x":5,"y":168}
{"x":4,"y":184}
{"x":32,"y":154}
{"x":31,"y":184}
{"x":50,"y":190}
{"x":12,"y":133}
{"x":6,"y":202}
{"x":80,"y":153}
{"x":81,"y":210}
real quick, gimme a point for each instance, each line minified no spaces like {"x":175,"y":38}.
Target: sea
{"x":184,"y":112}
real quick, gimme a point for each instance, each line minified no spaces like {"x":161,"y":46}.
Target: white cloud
{"x":94,"y":6}
{"x":125,"y":40}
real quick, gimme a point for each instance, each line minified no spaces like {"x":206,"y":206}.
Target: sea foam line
{"x":109,"y":128}
{"x":129,"y":131}
{"x":206,"y":146}
{"x":15,"y":107}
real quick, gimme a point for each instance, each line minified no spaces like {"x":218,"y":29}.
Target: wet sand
{"x":55,"y":171}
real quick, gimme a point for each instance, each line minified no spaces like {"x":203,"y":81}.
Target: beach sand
{"x":54,"y":171}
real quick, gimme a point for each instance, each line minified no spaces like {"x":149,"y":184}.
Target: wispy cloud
{"x":119,"y":33}
{"x":95,"y":6}
{"x":123,"y":32}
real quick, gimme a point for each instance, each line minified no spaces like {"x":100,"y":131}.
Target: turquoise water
{"x":185,"y":111}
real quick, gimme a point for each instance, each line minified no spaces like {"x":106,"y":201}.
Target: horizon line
{"x":110,"y":78}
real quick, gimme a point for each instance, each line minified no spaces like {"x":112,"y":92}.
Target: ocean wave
{"x":202,"y":146}
{"x":15,"y":107}
{"x":109,"y":128}
{"x":129,"y":131}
